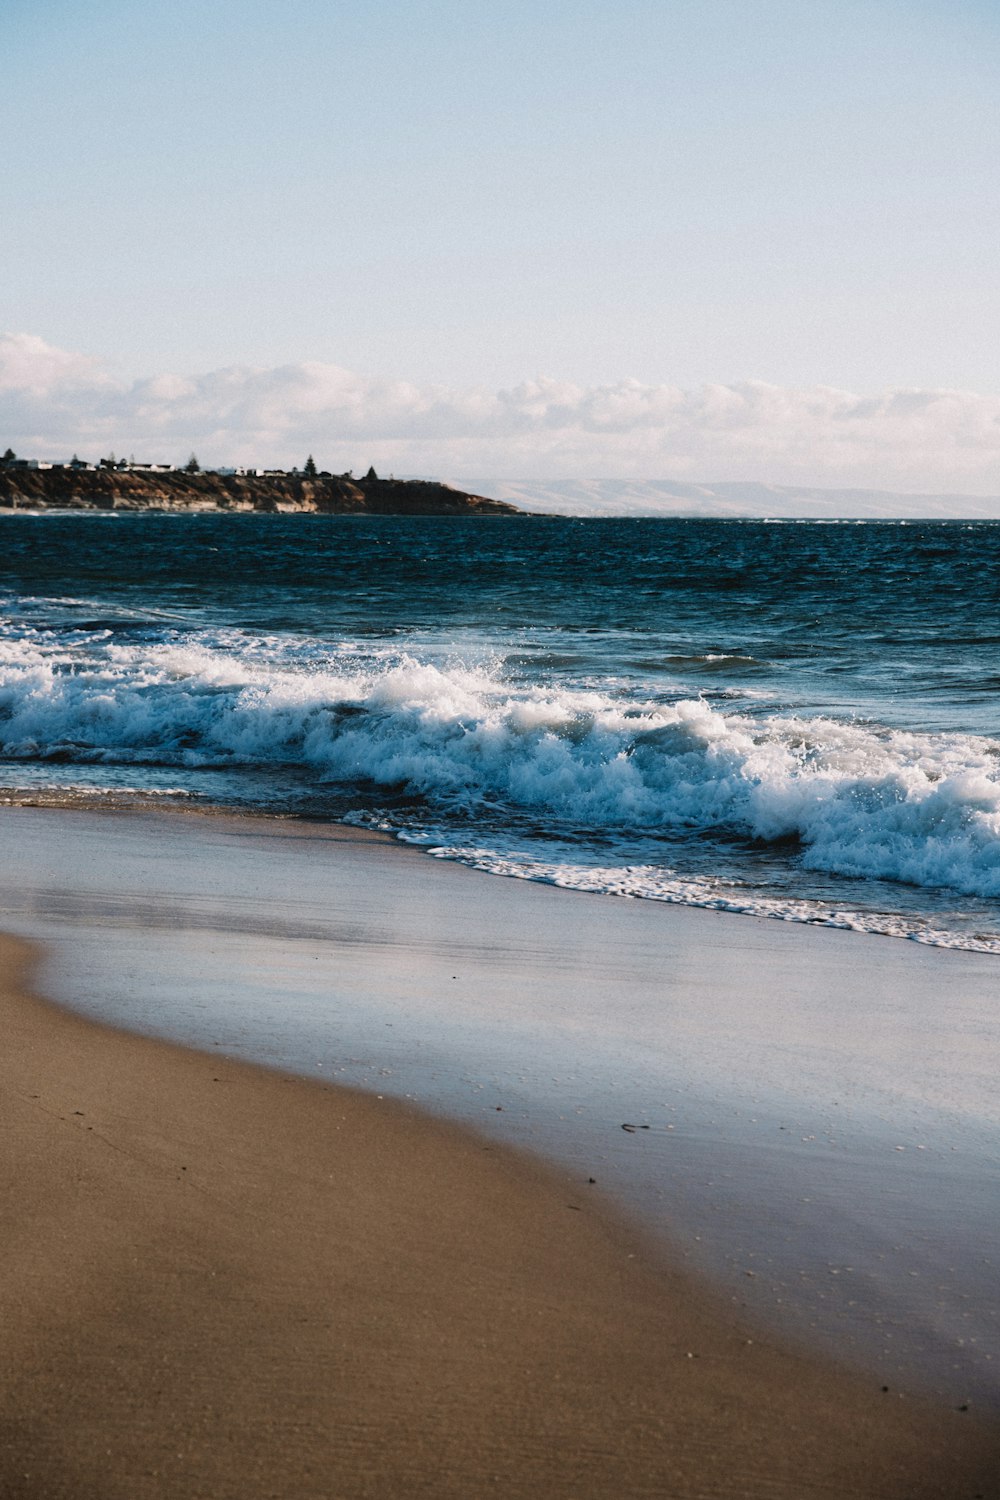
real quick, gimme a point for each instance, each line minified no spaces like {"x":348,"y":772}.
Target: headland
{"x":123,"y":486}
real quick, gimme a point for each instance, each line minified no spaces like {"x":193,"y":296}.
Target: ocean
{"x":795,"y":720}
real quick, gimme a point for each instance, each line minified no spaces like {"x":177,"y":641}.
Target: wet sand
{"x":222,"y":1281}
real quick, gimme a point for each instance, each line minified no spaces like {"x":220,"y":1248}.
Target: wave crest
{"x":860,"y":799}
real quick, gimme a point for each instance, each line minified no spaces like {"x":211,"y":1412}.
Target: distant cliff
{"x":115,"y":489}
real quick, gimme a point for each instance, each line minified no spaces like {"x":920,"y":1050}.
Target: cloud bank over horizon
{"x":54,"y":402}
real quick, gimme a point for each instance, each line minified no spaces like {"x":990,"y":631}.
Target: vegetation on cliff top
{"x":108,"y":487}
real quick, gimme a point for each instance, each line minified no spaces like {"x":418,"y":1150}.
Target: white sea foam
{"x":860,"y":799}
{"x":654,"y":883}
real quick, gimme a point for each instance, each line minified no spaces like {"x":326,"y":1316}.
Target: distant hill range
{"x":666,"y":497}
{"x":66,"y":488}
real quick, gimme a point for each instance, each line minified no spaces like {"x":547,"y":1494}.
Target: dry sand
{"x":223,"y":1282}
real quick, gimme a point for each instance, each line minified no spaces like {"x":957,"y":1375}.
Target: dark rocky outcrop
{"x":117,"y":489}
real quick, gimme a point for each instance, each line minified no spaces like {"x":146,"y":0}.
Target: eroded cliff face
{"x":110,"y":489}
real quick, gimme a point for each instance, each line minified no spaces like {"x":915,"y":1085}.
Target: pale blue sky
{"x":795,"y":191}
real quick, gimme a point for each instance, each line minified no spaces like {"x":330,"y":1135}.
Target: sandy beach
{"x":223,"y":1281}
{"x":227,"y":1280}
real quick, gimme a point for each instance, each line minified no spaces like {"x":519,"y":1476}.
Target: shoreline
{"x":823,"y":1166}
{"x":233,"y":1282}
{"x":805,"y":911}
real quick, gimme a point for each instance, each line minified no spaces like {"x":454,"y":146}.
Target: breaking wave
{"x":855,"y":799}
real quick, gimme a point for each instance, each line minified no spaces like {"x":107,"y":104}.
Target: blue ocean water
{"x":791,"y":719}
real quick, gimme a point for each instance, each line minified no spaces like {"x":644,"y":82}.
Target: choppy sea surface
{"x":799,"y":720}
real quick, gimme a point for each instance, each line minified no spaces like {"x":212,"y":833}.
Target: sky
{"x":716,"y":240}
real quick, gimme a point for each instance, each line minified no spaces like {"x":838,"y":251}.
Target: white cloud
{"x":53,"y":401}
{"x":33,"y":368}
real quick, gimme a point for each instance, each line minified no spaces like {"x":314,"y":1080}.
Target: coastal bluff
{"x":64,"y":488}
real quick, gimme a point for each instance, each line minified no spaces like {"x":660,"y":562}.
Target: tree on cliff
{"x":8,"y":457}
{"x":371,"y":474}
{"x":192,"y":466}
{"x":310,"y":468}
